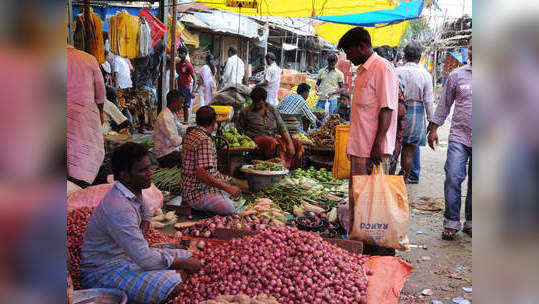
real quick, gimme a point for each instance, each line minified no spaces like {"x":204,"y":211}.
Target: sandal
{"x":449,"y":234}
{"x":468,"y":231}
{"x":411,"y":181}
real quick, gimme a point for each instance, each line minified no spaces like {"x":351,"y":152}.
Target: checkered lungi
{"x":415,"y":130}
{"x":141,"y":286}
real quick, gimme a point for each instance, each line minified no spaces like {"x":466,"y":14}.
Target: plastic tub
{"x":100,"y":295}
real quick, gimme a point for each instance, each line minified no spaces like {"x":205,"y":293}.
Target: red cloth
{"x":276,"y":147}
{"x":184,"y":70}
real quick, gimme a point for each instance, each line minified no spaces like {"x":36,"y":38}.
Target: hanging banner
{"x":157,"y":27}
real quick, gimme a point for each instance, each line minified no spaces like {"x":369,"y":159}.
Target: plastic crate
{"x":223,"y":112}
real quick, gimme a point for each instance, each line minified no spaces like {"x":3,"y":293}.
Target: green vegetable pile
{"x":236,"y":140}
{"x":147,"y":143}
{"x":322,"y":175}
{"x":168,"y":179}
{"x":267,"y":166}
{"x":286,"y":196}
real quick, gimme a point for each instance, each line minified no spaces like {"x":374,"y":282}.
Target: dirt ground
{"x":444,"y":267}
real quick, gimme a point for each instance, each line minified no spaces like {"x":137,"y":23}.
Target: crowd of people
{"x":388,"y":112}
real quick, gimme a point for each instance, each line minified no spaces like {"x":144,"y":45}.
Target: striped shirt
{"x":294,"y":104}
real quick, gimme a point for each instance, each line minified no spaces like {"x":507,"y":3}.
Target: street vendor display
{"x":325,"y":136}
{"x":165,"y":133}
{"x":262,"y":123}
{"x":291,"y":265}
{"x":114,"y":252}
{"x":203,"y":187}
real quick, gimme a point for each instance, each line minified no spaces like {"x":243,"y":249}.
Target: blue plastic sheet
{"x":406,"y":10}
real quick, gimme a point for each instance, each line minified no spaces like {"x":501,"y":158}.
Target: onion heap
{"x":206,"y":228}
{"x":242,"y":299}
{"x":290,"y":265}
{"x":77,"y":221}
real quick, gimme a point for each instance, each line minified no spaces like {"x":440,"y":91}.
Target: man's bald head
{"x":206,"y":116}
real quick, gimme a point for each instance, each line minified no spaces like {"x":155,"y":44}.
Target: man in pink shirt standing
{"x":373,"y":117}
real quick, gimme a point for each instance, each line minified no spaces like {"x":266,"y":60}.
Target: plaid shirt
{"x":198,"y":151}
{"x":294,"y":104}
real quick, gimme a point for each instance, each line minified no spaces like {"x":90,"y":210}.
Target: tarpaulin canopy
{"x":406,"y":10}
{"x":300,"y":8}
{"x":387,"y":35}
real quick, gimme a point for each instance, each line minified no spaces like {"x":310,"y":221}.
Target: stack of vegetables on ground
{"x":291,"y":265}
{"x":303,"y":138}
{"x":242,"y":299}
{"x":322,"y":175}
{"x":325,"y":136}
{"x":258,"y":217}
{"x":266,"y":166}
{"x":236,"y":140}
{"x":147,"y":143}
{"x":160,"y":219}
{"x":166,"y":179}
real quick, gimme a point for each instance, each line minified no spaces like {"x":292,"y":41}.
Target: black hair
{"x":354,"y":37}
{"x":205,"y":116}
{"x":125,"y":156}
{"x":270,"y":55}
{"x":233,"y":49}
{"x":182,"y":50}
{"x":302,"y":87}
{"x":332,"y":58}
{"x":173,"y":95}
{"x":412,"y":52}
{"x":345,"y":94}
{"x":111,"y":93}
{"x":385,"y":51}
{"x":209,"y":61}
{"x":259,"y":94}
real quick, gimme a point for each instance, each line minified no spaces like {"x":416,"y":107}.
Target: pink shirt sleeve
{"x":387,"y":86}
{"x":99,"y":85}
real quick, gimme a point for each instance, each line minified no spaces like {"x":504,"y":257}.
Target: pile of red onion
{"x":291,"y":265}
{"x":207,"y":227}
{"x":77,"y":220}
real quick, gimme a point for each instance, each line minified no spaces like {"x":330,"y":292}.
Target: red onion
{"x":284,"y":267}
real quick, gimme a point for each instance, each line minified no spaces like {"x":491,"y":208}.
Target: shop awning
{"x":188,"y":38}
{"x":299,"y":8}
{"x":387,"y":35}
{"x":406,"y":10}
{"x":225,"y":22}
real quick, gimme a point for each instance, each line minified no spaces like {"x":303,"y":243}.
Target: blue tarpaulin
{"x":110,"y":10}
{"x":406,"y":10}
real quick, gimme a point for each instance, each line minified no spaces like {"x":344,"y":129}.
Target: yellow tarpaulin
{"x":189,"y":38}
{"x":300,"y":8}
{"x":387,"y":35}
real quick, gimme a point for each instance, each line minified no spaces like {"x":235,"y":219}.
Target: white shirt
{"x":417,"y":86}
{"x":165,"y":134}
{"x":273,"y":76}
{"x":111,"y":112}
{"x":121,"y":66}
{"x":234,"y":71}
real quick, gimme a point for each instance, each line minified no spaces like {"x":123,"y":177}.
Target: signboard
{"x":242,"y":3}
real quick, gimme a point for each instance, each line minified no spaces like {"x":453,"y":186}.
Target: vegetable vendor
{"x":165,"y":133}
{"x":114,"y":252}
{"x":203,"y":187}
{"x":295,"y":111}
{"x":264,"y":125}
